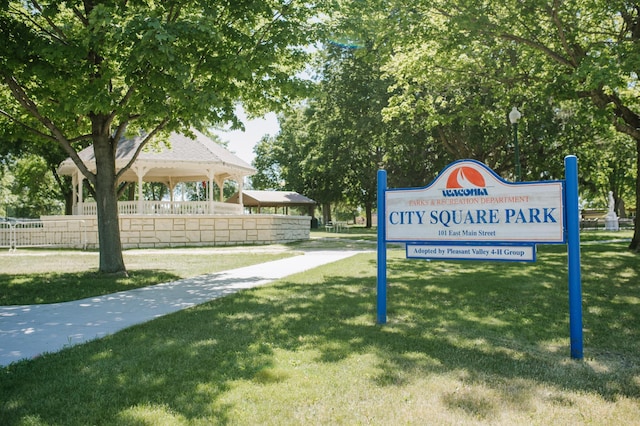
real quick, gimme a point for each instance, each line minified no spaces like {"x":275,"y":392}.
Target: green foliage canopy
{"x":81,"y":71}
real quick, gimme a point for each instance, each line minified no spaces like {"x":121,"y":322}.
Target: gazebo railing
{"x":165,"y":208}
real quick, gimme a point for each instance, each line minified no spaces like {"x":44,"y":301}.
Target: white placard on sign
{"x":510,"y":253}
{"x":469,"y":202}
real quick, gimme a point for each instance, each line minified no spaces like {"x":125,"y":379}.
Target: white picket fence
{"x":68,"y":233}
{"x":146,"y":207}
{"x":6,"y":235}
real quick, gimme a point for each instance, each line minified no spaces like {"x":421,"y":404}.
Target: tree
{"x":16,"y":143}
{"x":93,"y":71}
{"x":7,"y":198}
{"x":354,"y":135}
{"x":330,"y":148}
{"x":612,"y":169}
{"x":32,"y":189}
{"x":570,"y":66}
{"x":295,"y":159}
{"x":269,"y":174}
{"x":579,"y":49}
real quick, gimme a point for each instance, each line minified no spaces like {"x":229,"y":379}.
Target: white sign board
{"x":514,"y":253}
{"x":469,"y":202}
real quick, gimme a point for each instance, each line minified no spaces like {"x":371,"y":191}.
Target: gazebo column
{"x":240,"y":180}
{"x":80,"y":201}
{"x":210,"y":194}
{"x":140,"y":196}
{"x":220,"y":182}
{"x":210,"y":176}
{"x":74,"y":193}
{"x":171,"y":188}
{"x":140,"y":171}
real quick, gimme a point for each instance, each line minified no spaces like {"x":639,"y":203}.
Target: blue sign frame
{"x":570,"y":236}
{"x":469,"y":202}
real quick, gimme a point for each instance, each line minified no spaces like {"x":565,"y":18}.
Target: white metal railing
{"x":166,"y":207}
{"x":6,"y":235}
{"x":71,"y":233}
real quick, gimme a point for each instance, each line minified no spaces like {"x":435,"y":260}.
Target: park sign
{"x":468,"y":212}
{"x":469,"y":203}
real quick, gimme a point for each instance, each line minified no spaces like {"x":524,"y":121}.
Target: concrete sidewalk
{"x":31,"y":330}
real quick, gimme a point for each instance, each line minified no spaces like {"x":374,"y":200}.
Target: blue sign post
{"x":573,"y":250}
{"x":469,"y":212}
{"x":382,"y":248}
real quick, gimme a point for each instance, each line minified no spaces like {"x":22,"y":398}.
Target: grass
{"x":38,"y":276}
{"x":466,"y":343}
{"x":51,"y":276}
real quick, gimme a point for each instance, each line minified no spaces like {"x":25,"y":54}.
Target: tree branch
{"x":57,"y":33}
{"x":174,"y":13}
{"x":540,"y":47}
{"x":122,"y":127}
{"x":625,"y":120}
{"x":147,"y":138}
{"x":493,"y":31}
{"x":80,"y":16}
{"x":121,"y":188}
{"x":123,"y":102}
{"x":27,"y":127}
{"x":553,"y":12}
{"x":23,"y":99}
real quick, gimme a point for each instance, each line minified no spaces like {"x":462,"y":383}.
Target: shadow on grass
{"x":28,"y":289}
{"x":502,"y":325}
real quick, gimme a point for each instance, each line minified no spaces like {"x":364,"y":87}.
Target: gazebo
{"x":147,"y":223}
{"x":181,"y":159}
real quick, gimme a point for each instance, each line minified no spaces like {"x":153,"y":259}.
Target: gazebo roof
{"x":181,"y":159}
{"x":253,"y":198}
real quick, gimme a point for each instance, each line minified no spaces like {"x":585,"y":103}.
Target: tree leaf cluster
{"x":77,"y":72}
{"x":451,"y":71}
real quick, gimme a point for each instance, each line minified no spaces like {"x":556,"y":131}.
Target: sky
{"x":242,"y":143}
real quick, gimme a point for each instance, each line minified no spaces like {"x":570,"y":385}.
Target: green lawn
{"x":35,"y":276}
{"x":50,"y":276}
{"x":465,"y":343}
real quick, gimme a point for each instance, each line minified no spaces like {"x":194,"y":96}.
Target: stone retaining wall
{"x":138,"y":231}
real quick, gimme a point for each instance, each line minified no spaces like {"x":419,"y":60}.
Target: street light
{"x":514,"y":117}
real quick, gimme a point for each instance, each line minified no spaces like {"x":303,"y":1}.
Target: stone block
{"x":163,"y":224}
{"x":192,"y":224}
{"x":249,"y":224}
{"x":238,"y":235}
{"x":265,"y":235}
{"x":222,"y":224}
{"x":163,"y":236}
{"x":207,"y":236}
{"x":206,"y":223}
{"x":222,"y":236}
{"x":178,"y":236}
{"x":236,"y":223}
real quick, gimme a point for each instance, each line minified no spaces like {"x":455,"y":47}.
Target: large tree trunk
{"x":104,"y":147}
{"x":368,"y":208}
{"x":68,"y":203}
{"x":326,"y":213}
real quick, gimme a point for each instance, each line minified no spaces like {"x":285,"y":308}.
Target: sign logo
{"x":465,"y":181}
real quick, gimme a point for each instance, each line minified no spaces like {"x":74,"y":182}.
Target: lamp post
{"x":514,"y":117}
